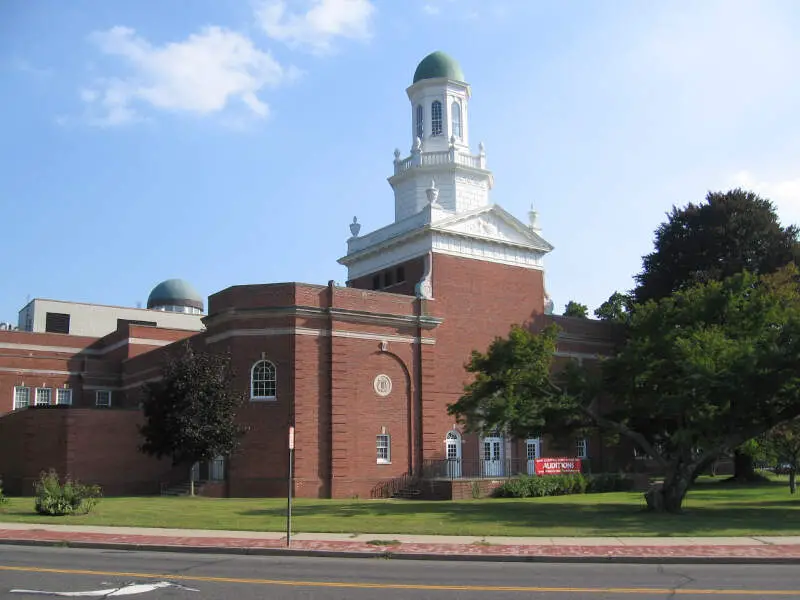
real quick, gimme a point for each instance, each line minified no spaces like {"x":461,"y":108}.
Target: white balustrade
{"x":435,"y":159}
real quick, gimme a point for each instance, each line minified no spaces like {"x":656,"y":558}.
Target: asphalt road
{"x":152,"y":575}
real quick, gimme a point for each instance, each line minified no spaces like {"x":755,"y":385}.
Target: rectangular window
{"x":22,"y":397}
{"x":384,"y":451}
{"x":102,"y":398}
{"x":64,"y":396}
{"x":376,"y":282}
{"x":43,"y":396}
{"x":56,"y":323}
{"x":582,"y":448}
{"x":401,"y":274}
{"x":388,"y":279}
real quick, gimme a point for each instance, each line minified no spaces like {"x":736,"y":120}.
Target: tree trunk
{"x":792,"y":480}
{"x":668,"y":496}
{"x":743,"y":467}
{"x":191,"y":480}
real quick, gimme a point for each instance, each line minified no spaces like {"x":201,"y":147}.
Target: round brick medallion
{"x":382,"y":385}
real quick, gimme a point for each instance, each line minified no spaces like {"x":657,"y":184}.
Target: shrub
{"x":3,"y":499}
{"x":548,"y":485}
{"x":70,"y":498}
{"x":608,"y":482}
{"x":561,"y":485}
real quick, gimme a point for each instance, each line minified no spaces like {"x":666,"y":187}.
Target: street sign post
{"x":289,"y":488}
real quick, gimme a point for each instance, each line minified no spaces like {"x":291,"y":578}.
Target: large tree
{"x":702,"y":371}
{"x":730,"y":232}
{"x":190,"y":413}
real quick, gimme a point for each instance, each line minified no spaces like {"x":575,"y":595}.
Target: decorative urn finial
{"x":417,"y":145}
{"x":533,"y":218}
{"x":452,"y":141}
{"x":397,"y":155}
{"x":481,"y":148}
{"x":432,"y":193}
{"x":355,"y":227}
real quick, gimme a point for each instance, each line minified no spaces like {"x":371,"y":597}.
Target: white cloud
{"x":784,"y":193}
{"x":200,"y":75}
{"x":431,"y":9}
{"x":317,"y":27}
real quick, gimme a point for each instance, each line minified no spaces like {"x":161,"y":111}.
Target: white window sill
{"x":263,"y":398}
{"x":384,"y":462}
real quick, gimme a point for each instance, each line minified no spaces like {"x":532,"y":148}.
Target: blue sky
{"x":232,"y":142}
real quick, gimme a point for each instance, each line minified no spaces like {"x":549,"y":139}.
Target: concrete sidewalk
{"x":546,"y":549}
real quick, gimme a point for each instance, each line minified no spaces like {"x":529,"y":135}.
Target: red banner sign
{"x":555,"y":466}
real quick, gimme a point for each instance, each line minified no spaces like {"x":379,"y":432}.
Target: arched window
{"x":436,"y":118}
{"x":263,"y":381}
{"x":420,"y":120}
{"x":455,"y":109}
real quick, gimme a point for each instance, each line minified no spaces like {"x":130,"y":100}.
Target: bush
{"x":70,"y":498}
{"x":548,"y":485}
{"x":3,"y":499}
{"x":561,"y":485}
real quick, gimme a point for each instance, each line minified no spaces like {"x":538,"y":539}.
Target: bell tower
{"x":440,"y":151}
{"x":439,"y":98}
{"x":442,"y":203}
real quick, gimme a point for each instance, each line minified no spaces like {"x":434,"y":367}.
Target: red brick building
{"x":364,"y":371}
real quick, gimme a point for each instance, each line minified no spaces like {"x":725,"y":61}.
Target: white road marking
{"x":129,"y":589}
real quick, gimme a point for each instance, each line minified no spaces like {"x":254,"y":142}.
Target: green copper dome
{"x":174,"y":292}
{"x":438,"y":64}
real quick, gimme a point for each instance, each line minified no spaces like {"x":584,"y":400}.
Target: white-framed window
{"x":102,"y":398}
{"x":384,"y":450}
{"x":263,"y":381}
{"x":64,"y":396}
{"x":582,"y":448}
{"x":216,"y":469}
{"x":22,"y":397}
{"x":420,"y":120}
{"x":436,"y":118}
{"x":43,"y":396}
{"x":455,"y":111}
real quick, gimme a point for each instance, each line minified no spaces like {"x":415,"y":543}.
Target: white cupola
{"x":439,"y":98}
{"x":440,"y":150}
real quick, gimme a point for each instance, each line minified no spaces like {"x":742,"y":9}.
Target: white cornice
{"x":315,"y":332}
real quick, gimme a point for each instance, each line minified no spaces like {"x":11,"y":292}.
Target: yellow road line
{"x":410,"y":586}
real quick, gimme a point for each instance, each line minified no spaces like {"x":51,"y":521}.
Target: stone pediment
{"x":493,"y":223}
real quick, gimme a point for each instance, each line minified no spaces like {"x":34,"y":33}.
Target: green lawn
{"x":711,"y":509}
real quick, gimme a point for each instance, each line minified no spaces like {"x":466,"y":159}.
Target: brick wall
{"x":480,"y":301}
{"x":94,"y":446}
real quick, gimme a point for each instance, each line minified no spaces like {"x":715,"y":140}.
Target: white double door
{"x":492,"y":453}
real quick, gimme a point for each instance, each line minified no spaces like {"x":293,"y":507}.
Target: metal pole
{"x":289,"y":493}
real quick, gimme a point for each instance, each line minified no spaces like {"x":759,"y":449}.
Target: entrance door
{"x":532,"y":452}
{"x":452,"y":444}
{"x":493,"y":457}
{"x":216,"y":469}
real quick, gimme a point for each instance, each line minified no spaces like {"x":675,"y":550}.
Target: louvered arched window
{"x":436,"y":118}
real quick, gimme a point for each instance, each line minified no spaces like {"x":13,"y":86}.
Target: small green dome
{"x":174,"y":292}
{"x":438,"y":64}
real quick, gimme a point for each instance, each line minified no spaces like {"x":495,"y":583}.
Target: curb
{"x":242,"y":551}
